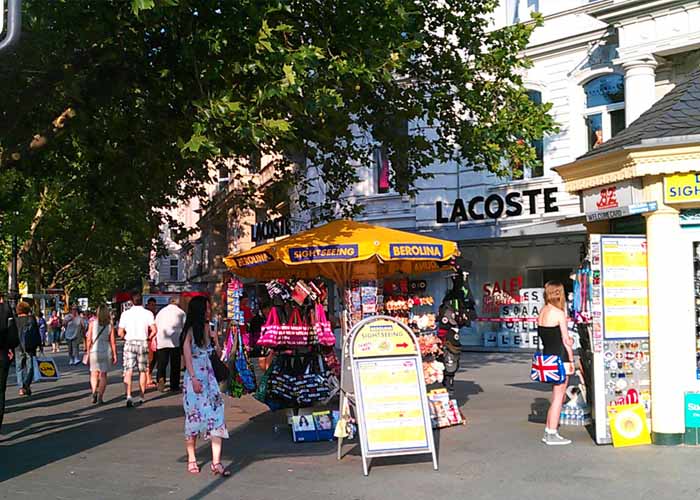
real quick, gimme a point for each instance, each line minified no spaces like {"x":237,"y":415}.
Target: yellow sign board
{"x":628,"y":425}
{"x":382,"y":338}
{"x":625,"y":287}
{"x":393,"y":404}
{"x":682,"y":188}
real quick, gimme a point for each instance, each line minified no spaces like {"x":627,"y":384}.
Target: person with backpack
{"x":29,"y":342}
{"x":9,"y":340}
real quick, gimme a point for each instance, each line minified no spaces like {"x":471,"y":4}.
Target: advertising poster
{"x":393,"y":404}
{"x":624,"y":283}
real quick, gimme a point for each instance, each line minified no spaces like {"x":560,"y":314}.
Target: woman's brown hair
{"x":554,"y":294}
{"x":103,"y":315}
{"x":24,"y":308}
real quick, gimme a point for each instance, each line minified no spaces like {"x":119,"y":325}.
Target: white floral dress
{"x":204,"y":412}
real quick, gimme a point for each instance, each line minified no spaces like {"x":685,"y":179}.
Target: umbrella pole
{"x":343,"y":407}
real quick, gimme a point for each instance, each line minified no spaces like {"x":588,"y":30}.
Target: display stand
{"x":387,"y":392}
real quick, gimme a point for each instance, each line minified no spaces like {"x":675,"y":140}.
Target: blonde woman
{"x":554,"y":333}
{"x":101,"y":347}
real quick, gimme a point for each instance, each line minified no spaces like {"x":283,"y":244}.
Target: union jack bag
{"x":547,"y":368}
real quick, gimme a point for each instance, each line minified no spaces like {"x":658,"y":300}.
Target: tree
{"x":115,"y":107}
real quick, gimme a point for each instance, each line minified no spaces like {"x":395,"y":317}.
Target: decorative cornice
{"x":628,"y":164}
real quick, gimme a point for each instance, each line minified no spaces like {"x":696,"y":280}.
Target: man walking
{"x":9,"y":339}
{"x":169,"y":323}
{"x":73,"y":334}
{"x":136,"y":326}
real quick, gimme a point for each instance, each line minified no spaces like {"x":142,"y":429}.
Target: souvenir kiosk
{"x":347,"y":252}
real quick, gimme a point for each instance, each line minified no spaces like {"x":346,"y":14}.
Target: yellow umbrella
{"x":343,"y":250}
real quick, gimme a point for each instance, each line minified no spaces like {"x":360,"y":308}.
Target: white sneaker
{"x":554,"y":439}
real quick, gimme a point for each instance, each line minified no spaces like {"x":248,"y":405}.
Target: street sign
{"x":392,"y":405}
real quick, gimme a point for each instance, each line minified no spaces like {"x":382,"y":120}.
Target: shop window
{"x":605,"y":109}
{"x":174,"y":269}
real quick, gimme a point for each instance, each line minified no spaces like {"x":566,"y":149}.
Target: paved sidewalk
{"x":57,"y":445}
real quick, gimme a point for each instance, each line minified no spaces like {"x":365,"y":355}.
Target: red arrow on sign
{"x":404,"y":345}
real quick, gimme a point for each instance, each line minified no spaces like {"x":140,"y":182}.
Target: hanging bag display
{"x":311,"y":385}
{"x":282,"y":379}
{"x":243,"y":367}
{"x":547,"y":368}
{"x":322,"y":327}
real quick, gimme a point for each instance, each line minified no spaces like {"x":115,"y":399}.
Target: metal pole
{"x":13,"y":288}
{"x":14,"y":24}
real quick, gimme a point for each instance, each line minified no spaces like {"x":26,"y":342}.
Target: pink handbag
{"x":322,"y":327}
{"x":270,"y":331}
{"x":295,"y":332}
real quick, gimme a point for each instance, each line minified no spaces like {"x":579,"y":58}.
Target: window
{"x":605,"y":109}
{"x":536,"y":170}
{"x":223,"y":177}
{"x":389,"y":162}
{"x":174,"y":274}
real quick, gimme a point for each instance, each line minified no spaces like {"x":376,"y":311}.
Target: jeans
{"x":73,"y":348}
{"x":24,"y":368}
{"x":171,"y":355}
{"x":4,"y":372}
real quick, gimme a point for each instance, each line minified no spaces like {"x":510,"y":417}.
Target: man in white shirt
{"x":137,"y":327}
{"x":169,"y":322}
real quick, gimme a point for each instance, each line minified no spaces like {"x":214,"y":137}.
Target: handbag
{"x":221,"y":371}
{"x":295,"y":332}
{"x":322,"y":327}
{"x":270,"y":330}
{"x":300,"y":292}
{"x":45,"y":369}
{"x":243,"y":368}
{"x":547,"y":368}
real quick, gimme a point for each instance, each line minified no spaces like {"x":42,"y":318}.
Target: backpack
{"x":9,"y":336}
{"x":30,"y":335}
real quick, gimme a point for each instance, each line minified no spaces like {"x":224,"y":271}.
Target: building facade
{"x":601,"y":64}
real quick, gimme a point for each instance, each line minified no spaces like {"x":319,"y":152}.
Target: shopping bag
{"x":45,"y":369}
{"x":270,"y":331}
{"x":547,"y":368}
{"x":295,"y":332}
{"x":311,"y":386}
{"x":322,"y":327}
{"x":243,"y":367}
{"x":300,"y":292}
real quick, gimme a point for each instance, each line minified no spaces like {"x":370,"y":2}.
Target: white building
{"x":601,"y":64}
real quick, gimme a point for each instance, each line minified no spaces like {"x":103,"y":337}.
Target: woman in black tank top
{"x":552,"y":330}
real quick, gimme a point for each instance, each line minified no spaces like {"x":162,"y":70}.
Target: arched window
{"x":605,"y":108}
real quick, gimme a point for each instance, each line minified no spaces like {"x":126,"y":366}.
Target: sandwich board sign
{"x":392,"y":407}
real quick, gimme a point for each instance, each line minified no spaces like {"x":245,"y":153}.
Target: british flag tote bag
{"x":547,"y":368}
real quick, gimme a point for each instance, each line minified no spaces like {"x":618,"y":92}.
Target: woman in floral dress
{"x":204,"y":406}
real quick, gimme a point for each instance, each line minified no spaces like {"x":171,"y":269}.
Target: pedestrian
{"x":73,"y":334}
{"x":43,"y":328}
{"x":102,"y":348}
{"x":152,"y":306}
{"x":202,"y":401}
{"x":55,"y":331}
{"x":29,"y":342}
{"x":169,"y":323}
{"x":137,"y":327}
{"x":553,"y":330}
{"x":9,"y":340}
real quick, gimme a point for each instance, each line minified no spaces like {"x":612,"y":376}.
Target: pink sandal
{"x":192,"y":467}
{"x":218,"y":470}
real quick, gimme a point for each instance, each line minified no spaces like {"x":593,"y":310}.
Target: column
{"x":640,"y":86}
{"x":671,"y":334}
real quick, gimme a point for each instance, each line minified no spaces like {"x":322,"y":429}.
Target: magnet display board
{"x":625,"y":287}
{"x":392,"y":407}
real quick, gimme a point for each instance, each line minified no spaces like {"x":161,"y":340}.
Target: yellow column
{"x":671,"y":334}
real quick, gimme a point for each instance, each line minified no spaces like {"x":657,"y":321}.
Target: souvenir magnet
{"x":621,"y":384}
{"x":608,"y":355}
{"x":638,"y":365}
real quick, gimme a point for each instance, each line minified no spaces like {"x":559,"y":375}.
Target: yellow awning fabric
{"x":343,"y":250}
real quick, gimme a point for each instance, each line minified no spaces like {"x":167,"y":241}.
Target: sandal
{"x":218,"y":470}
{"x":192,"y":467}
